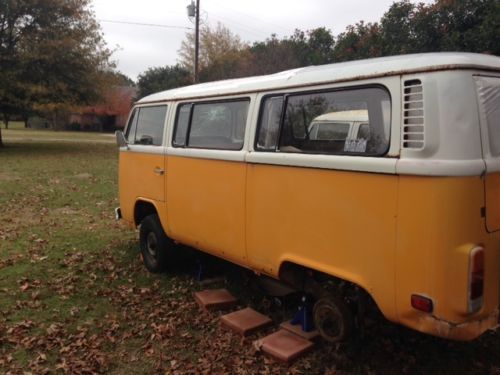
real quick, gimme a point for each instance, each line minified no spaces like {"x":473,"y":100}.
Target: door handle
{"x":159,"y":171}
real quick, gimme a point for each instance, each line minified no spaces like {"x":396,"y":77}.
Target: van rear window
{"x":340,"y":122}
{"x":488,"y":89}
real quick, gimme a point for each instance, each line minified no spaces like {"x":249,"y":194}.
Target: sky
{"x":138,"y":48}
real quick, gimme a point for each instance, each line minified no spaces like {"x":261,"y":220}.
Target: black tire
{"x":332,"y":319}
{"x":155,"y":245}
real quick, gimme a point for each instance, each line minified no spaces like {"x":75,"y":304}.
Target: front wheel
{"x":155,"y":245}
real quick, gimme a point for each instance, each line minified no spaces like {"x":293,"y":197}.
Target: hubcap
{"x":152,"y":244}
{"x":328,"y":322}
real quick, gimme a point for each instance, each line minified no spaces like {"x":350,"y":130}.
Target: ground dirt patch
{"x":83,"y":176}
{"x":7,"y":177}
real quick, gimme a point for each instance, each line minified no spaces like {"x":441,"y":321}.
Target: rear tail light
{"x":421,"y":303}
{"x":476,"y":279}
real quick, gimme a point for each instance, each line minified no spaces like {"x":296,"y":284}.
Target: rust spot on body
{"x":459,"y":331}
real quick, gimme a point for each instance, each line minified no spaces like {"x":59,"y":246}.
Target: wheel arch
{"x":288,"y":266}
{"x":300,"y":275}
{"x":142,"y":208}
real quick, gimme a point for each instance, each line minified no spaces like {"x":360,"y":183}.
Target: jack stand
{"x":200,"y":269}
{"x":304,"y":315}
{"x":361,"y":313}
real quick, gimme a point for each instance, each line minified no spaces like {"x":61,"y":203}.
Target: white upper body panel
{"x":449,"y":142}
{"x":345,"y":71}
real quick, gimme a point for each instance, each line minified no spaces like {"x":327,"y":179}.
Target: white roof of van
{"x":349,"y":70}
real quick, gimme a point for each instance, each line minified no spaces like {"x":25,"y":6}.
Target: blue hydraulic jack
{"x":200,"y":269}
{"x":304,"y":315}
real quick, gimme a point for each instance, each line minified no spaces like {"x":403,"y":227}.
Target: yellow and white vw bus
{"x":401,"y":203}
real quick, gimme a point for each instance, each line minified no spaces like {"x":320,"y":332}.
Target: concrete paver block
{"x":245,"y":321}
{"x":284,"y":345}
{"x":214,"y":299}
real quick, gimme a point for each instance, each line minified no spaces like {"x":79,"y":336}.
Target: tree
{"x":360,"y":41}
{"x":122,"y":79}
{"x":52,"y":56}
{"x":446,"y":25}
{"x":469,"y":25}
{"x":214,"y":43}
{"x":233,"y":64}
{"x":162,"y":78}
{"x":397,"y":29}
{"x":313,"y":47}
{"x":303,"y":48}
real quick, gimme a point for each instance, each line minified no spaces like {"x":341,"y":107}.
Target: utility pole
{"x":197,"y":42}
{"x":195,"y":12}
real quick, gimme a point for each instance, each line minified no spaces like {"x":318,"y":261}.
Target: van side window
{"x":269,"y":123}
{"x":488,"y":89}
{"x":219,"y":125}
{"x":181,"y":126}
{"x":340,"y":122}
{"x":150,"y":124}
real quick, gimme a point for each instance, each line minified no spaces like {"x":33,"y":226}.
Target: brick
{"x":246,"y":321}
{"x":284,"y":345}
{"x":214,"y":299}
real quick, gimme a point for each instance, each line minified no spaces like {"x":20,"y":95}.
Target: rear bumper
{"x":460,"y":332}
{"x":118,"y":213}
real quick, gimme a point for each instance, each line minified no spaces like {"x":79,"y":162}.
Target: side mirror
{"x":120,"y":139}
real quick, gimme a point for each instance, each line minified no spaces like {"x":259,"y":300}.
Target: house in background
{"x":107,"y":116}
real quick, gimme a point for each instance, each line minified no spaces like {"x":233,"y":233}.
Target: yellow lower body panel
{"x":394,"y":236}
{"x":138,"y":181}
{"x":439,"y":223}
{"x":492,"y":188}
{"x":339,"y":223}
{"x":206,"y":205}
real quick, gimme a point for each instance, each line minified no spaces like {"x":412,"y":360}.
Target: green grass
{"x":17,"y":132}
{"x":74,"y":295}
{"x":12,"y":125}
{"x":56,"y":229}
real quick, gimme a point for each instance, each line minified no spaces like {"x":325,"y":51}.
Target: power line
{"x":287,"y":30}
{"x":147,"y":24}
{"x":238,"y":25}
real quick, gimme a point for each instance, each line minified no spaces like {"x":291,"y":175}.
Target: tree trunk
{"x":54,"y":121}
{"x":6,"y":119}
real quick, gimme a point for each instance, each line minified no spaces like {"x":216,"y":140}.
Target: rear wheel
{"x":332,"y":319}
{"x":155,"y":245}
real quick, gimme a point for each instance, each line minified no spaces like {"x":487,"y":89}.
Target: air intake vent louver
{"x":413,"y":115}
